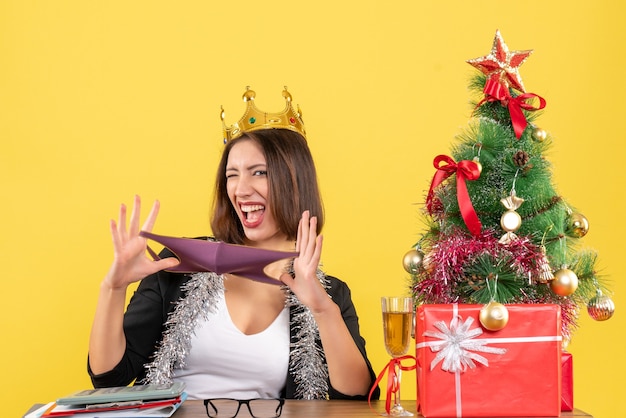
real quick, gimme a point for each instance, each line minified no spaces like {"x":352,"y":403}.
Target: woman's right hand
{"x":131,"y":263}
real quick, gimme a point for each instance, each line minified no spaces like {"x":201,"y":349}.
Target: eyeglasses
{"x":258,"y":408}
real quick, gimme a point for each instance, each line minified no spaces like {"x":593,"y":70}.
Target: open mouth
{"x":253,"y":214}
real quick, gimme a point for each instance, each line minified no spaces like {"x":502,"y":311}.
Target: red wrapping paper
{"x":567,"y":385}
{"x":523,"y":381}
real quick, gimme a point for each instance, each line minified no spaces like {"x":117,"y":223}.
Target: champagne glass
{"x":397,"y":322}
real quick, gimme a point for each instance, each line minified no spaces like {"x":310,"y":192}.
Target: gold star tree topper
{"x":502,"y":64}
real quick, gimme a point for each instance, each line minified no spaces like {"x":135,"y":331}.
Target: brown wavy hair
{"x":292,"y":179}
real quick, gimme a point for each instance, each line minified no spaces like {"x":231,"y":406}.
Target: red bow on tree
{"x":495,"y":90}
{"x":465,"y":170}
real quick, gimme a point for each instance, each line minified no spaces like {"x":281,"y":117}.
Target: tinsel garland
{"x":449,"y":254}
{"x":307,"y":362}
{"x":201,"y":294}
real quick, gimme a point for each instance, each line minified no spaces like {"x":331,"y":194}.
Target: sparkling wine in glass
{"x":397,"y":323}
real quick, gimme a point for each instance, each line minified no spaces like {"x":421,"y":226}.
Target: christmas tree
{"x":497,"y":230}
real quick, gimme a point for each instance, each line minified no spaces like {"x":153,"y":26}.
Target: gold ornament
{"x":539,"y":134}
{"x":545,"y":271}
{"x":428,"y":263}
{"x":600,"y":307}
{"x":494,"y":316}
{"x":510,"y":220}
{"x":413,"y":260}
{"x":577,"y":225}
{"x":565,"y":282}
{"x":478,"y":164}
{"x":254,"y":119}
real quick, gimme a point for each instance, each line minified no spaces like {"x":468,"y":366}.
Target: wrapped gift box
{"x":464,"y":370}
{"x":567,"y":385}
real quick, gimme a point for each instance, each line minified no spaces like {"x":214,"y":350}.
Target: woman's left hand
{"x":347,"y":369}
{"x":306,"y":286}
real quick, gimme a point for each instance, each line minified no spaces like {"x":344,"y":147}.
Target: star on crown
{"x":502,"y":64}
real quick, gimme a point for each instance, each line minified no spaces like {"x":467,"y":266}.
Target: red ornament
{"x":502,"y":64}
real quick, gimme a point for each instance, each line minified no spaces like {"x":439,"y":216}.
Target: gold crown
{"x":253,"y":119}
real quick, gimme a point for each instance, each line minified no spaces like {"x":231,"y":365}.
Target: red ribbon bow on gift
{"x":495,"y":90}
{"x":393,"y":382}
{"x":465,"y":170}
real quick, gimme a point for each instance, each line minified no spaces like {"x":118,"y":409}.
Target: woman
{"x":223,"y":335}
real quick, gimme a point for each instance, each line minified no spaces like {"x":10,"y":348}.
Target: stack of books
{"x":123,"y":401}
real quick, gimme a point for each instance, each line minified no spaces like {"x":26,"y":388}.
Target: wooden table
{"x":318,"y":409}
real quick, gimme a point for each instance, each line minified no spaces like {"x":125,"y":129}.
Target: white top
{"x":226,"y":363}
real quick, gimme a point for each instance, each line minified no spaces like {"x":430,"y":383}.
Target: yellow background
{"x":100,"y":100}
